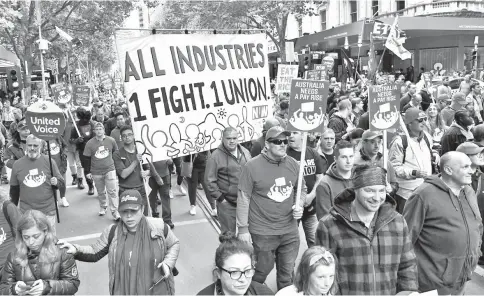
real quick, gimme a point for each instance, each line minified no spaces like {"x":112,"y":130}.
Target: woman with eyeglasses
{"x":315,"y":274}
{"x":37,"y":266}
{"x":234,"y":269}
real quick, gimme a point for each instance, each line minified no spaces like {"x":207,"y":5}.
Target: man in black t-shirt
{"x":313,"y":173}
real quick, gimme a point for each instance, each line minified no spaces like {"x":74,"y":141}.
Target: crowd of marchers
{"x":378,"y":218}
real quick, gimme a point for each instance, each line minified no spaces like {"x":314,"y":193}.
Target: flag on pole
{"x":395,"y":42}
{"x":372,"y":65}
{"x":63,"y":34}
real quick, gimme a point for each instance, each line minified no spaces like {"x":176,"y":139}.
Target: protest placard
{"x":81,"y":95}
{"x":384,"y":106}
{"x":307,"y":105}
{"x":285,"y":74}
{"x":61,"y":93}
{"x":106,"y":81}
{"x":183,"y":90}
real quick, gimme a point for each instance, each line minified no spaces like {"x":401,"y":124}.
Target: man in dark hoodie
{"x":445,"y":226}
{"x":369,"y":238}
{"x":86,"y":128}
{"x":458,"y":132}
{"x":338,"y":177}
{"x":266,"y":211}
{"x":340,"y":122}
{"x":259,"y":144}
{"x":222,"y":174}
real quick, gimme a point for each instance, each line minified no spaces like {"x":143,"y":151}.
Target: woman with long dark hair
{"x":37,"y":266}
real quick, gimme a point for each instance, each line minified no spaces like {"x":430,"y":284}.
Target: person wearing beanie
{"x":445,"y":226}
{"x":411,"y":162}
{"x":368,"y":237}
{"x":142,"y":251}
{"x":459,"y":102}
{"x":100,"y":168}
{"x":258,"y":145}
{"x":458,"y":132}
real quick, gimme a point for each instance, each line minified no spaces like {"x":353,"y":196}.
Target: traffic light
{"x":13,"y":80}
{"x":474,"y":55}
{"x":307,"y":62}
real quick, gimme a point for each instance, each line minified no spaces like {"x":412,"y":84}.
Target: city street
{"x":198,"y":237}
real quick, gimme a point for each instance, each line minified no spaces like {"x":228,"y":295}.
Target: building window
{"x":374,"y":7}
{"x":322,"y":14}
{"x":354,"y":11}
{"x":299,"y":26}
{"x":400,"y":4}
{"x":141,"y":19}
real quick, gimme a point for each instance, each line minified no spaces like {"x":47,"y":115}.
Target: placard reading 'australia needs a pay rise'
{"x":384,"y":105}
{"x":307,"y":104}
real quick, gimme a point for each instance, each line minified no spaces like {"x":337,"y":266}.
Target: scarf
{"x":135,"y":282}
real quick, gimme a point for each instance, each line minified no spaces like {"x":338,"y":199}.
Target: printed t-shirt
{"x":271,"y":187}
{"x":101,"y":153}
{"x":33,"y":177}
{"x":122,"y":160}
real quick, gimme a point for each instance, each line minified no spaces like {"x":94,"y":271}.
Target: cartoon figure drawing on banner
{"x":247,"y":128}
{"x":216,"y":136}
{"x":233,"y":121}
{"x":208,"y":126}
{"x":178,"y":143}
{"x":196,"y":138}
{"x":154,"y":142}
{"x":3,"y":236}
{"x":385,"y":118}
{"x":307,"y":118}
{"x":280,"y":191}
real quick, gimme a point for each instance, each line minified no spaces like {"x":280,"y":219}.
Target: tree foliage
{"x":93,"y":22}
{"x":271,"y":16}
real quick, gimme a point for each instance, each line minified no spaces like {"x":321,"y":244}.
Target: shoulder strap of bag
{"x":405,"y":145}
{"x":111,"y":234}
{"x":5,"y":213}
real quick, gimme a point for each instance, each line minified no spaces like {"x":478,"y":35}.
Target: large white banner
{"x":184,"y":89}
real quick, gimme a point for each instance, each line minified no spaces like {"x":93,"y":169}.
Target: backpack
{"x":405,"y":145}
{"x":5,"y":213}
{"x":165,"y":234}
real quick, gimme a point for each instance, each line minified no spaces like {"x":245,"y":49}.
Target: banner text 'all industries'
{"x":184,"y":90}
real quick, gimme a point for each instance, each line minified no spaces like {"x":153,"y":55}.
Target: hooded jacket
{"x":222,"y":173}
{"x":453,"y":137}
{"x":331,"y":185}
{"x":339,"y":126}
{"x":446,"y":235}
{"x":378,"y":262}
{"x":15,"y":150}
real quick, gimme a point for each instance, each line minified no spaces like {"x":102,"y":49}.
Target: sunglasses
{"x":420,"y":120}
{"x":279,"y":142}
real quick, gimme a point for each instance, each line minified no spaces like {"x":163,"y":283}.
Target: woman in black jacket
{"x":37,"y":266}
{"x":199,"y":161}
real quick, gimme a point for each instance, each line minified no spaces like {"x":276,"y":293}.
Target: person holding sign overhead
{"x":31,"y":181}
{"x":100,"y":168}
{"x":266,"y":213}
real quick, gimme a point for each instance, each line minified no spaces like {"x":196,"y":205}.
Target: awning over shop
{"x":331,"y":36}
{"x":8,"y":59}
{"x":414,"y":27}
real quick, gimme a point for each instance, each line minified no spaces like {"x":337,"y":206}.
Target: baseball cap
{"x":413,"y":113}
{"x":22,"y":125}
{"x":130,"y":200}
{"x":469,"y":148}
{"x":98,"y":124}
{"x":275,"y":131}
{"x":460,"y":98}
{"x":370,"y":135}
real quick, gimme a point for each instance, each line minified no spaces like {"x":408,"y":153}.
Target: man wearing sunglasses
{"x":412,"y":162}
{"x":266,"y":211}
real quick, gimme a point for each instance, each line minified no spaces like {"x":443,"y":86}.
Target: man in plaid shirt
{"x":369,"y":238}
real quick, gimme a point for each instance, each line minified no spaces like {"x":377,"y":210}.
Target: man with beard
{"x":445,"y":227}
{"x":458,"y":133}
{"x":259,"y":144}
{"x":86,"y":128}
{"x":32,"y":184}
{"x":411,"y":158}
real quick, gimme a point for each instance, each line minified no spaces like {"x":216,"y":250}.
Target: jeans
{"x":62,"y":186}
{"x":164,"y":192}
{"x":227,"y":216}
{"x":74,"y":163}
{"x":280,"y":249}
{"x":198,"y":177}
{"x":107,"y":182}
{"x":142,"y":192}
{"x":177,"y":164}
{"x":310,"y":224}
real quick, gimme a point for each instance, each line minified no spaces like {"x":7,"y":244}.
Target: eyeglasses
{"x":420,"y":120}
{"x":125,"y":136}
{"x":279,"y":142}
{"x":236,"y":274}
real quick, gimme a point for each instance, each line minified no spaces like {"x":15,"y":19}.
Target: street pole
{"x":39,"y":20}
{"x":476,"y":44}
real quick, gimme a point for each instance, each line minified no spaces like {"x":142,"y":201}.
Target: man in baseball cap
{"x":259,"y":144}
{"x":459,"y":102}
{"x":130,"y":200}
{"x":476,"y":156}
{"x":370,"y":148}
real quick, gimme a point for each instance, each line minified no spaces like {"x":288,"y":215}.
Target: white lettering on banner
{"x":184,"y":90}
{"x":285,"y":74}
